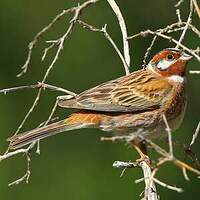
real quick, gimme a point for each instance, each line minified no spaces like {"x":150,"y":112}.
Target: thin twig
{"x":194,"y":72}
{"x":169,"y":135}
{"x":170,"y":39}
{"x":195,"y":135}
{"x":178,"y":3}
{"x":185,"y":174}
{"x":26,"y":176}
{"x":178,"y":13}
{"x":148,"y":51}
{"x":108,"y":37}
{"x":189,"y":20}
{"x":168,"y":186}
{"x":38,"y":85}
{"x":60,"y":42}
{"x":123,"y":28}
{"x":32,"y":44}
{"x":196,"y":7}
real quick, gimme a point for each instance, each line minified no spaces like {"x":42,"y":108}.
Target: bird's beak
{"x":185,"y":56}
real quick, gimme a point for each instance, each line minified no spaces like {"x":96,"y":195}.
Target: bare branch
{"x":26,"y":176}
{"x":189,"y":20}
{"x":195,"y":135}
{"x":170,"y":39}
{"x":148,"y":51}
{"x":169,"y":133}
{"x":194,"y":72}
{"x":196,"y":7}
{"x":123,"y":28}
{"x":150,"y":188}
{"x":168,"y":186}
{"x":178,"y":13}
{"x":39,"y":85}
{"x":60,"y":42}
{"x":13,"y":153}
{"x":37,"y":36}
{"x":108,"y":37}
{"x":185,"y":174}
{"x":178,"y":3}
{"x":33,"y":43}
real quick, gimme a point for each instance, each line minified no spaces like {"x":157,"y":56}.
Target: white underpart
{"x":177,"y":78}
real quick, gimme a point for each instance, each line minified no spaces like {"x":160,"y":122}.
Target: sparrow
{"x":132,"y":105}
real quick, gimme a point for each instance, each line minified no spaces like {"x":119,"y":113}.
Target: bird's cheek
{"x":178,"y":68}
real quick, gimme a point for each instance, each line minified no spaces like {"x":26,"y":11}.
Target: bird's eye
{"x":170,"y":57}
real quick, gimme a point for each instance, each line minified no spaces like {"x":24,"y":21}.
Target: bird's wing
{"x":141,"y":90}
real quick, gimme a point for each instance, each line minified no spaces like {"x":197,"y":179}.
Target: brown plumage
{"x":132,"y":104}
{"x":141,"y":90}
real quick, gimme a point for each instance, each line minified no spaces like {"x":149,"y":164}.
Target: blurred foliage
{"x":77,"y":165}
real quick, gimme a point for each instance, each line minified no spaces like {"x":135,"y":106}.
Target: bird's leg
{"x":141,"y":148}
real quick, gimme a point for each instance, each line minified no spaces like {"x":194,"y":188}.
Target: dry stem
{"x":123,"y":28}
{"x":108,"y":37}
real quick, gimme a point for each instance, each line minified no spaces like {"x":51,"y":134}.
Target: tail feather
{"x":28,"y":137}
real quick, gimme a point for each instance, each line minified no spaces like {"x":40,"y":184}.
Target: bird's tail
{"x":28,"y":137}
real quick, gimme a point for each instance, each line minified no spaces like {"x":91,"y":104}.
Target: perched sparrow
{"x":130,"y":105}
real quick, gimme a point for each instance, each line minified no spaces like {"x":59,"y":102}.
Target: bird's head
{"x":170,"y":63}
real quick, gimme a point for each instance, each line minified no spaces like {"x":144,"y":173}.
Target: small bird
{"x":132,"y":105}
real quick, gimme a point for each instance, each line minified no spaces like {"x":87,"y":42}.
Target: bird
{"x":132,"y":105}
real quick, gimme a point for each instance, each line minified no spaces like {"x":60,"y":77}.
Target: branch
{"x":39,"y":85}
{"x":32,"y":44}
{"x":188,"y":22}
{"x":59,"y":42}
{"x":123,"y":28}
{"x":196,"y":7}
{"x":108,"y":37}
{"x":195,"y":135}
{"x":150,"y":188}
{"x":170,"y":39}
{"x":194,"y":72}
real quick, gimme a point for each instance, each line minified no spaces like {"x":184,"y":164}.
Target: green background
{"x":77,"y":165}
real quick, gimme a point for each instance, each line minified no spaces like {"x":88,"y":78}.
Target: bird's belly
{"x":134,"y":125}
{"x":148,"y":125}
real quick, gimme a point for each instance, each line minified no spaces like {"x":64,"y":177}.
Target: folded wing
{"x":139,"y":91}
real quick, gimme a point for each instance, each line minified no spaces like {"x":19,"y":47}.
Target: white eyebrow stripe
{"x":177,"y":78}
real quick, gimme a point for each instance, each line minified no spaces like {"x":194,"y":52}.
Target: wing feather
{"x":141,"y":90}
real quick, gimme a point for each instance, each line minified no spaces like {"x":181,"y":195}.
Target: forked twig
{"x":188,"y":22}
{"x":60,"y":42}
{"x":170,"y":39}
{"x":32,"y":44}
{"x":108,"y":37}
{"x":38,"y":85}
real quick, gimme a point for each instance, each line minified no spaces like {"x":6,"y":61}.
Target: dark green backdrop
{"x":77,"y":165}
